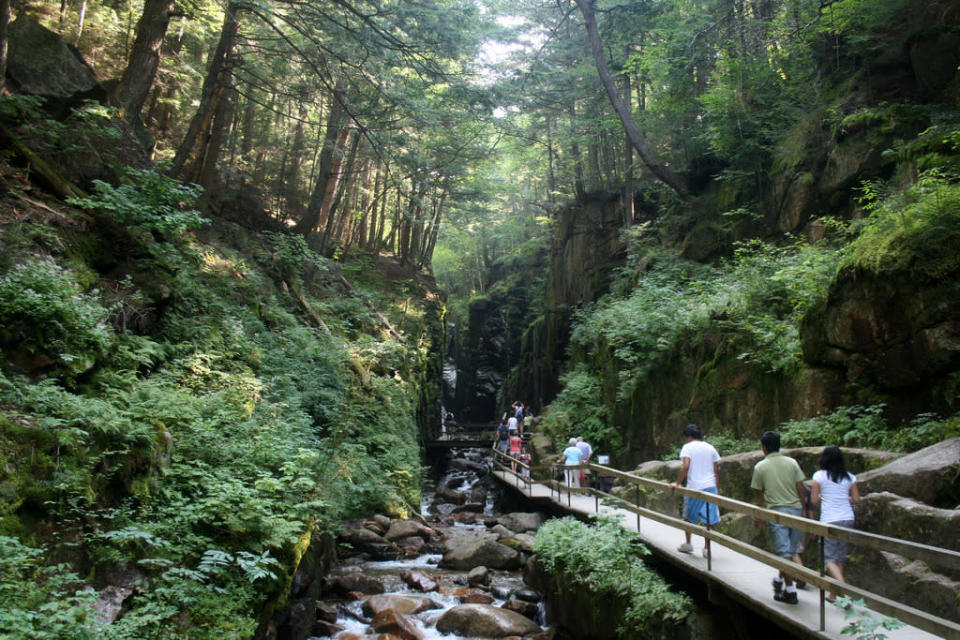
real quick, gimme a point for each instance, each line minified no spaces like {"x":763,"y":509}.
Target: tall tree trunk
{"x":551,"y":177}
{"x":335,"y":128}
{"x":578,"y":187}
{"x":294,"y":201}
{"x":427,"y":255}
{"x":627,"y":157}
{"x":207,"y":176}
{"x":4,"y":28}
{"x":217,"y":78}
{"x":83,"y":15}
{"x":336,"y":211}
{"x":637,"y":139}
{"x":144,"y":58}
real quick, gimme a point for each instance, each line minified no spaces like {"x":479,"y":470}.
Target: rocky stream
{"x":452,"y":571}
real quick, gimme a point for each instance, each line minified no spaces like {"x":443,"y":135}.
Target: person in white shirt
{"x":701,"y":471}
{"x":835,"y":490}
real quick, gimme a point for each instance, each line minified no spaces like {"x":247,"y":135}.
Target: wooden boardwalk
{"x":739,"y":577}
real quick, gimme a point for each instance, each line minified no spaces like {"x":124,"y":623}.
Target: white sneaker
{"x":686,"y":547}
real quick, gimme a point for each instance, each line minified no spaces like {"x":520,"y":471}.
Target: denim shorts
{"x":700,"y":511}
{"x":836,"y":550}
{"x":785,"y":540}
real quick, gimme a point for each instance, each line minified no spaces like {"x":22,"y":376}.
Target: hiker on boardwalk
{"x":701,"y":471}
{"x":516,"y":446}
{"x":835,"y":491}
{"x":587,"y":452}
{"x":778,"y":481}
{"x":572,"y":456}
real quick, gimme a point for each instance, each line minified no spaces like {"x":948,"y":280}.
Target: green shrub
{"x":604,"y":560}
{"x":43,"y":309}
{"x":150,"y":200}
{"x":916,"y":230}
{"x":858,"y":426}
{"x":579,"y":410}
{"x":41,"y":602}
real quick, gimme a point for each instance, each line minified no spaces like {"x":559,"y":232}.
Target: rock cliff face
{"x":895,"y":335}
{"x":586,"y":248}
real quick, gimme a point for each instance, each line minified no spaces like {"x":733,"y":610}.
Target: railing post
{"x":596,"y":503}
{"x":823,"y":594}
{"x":637,"y":487}
{"x":707,"y":544}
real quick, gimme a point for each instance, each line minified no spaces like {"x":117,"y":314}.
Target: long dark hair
{"x":831,"y":461}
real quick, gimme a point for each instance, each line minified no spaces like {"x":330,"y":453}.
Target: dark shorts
{"x":836,"y":550}
{"x":699,"y":511}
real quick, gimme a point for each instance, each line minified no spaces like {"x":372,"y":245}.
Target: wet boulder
{"x":327,"y":611}
{"x":419,"y":581}
{"x":475,"y":596}
{"x":400,"y":529}
{"x":360,"y":537}
{"x":931,"y":475}
{"x":469,"y":551}
{"x":450,"y":496}
{"x":356,"y":582}
{"x":521,"y":522}
{"x":484,"y":621}
{"x":402,"y":604}
{"x":475,"y":507}
{"x":478,"y":576}
{"x":527,"y":609}
{"x":396,"y":624}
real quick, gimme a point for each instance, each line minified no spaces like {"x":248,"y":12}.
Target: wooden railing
{"x":946,"y":558}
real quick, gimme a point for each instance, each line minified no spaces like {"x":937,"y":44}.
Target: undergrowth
{"x":605,"y":561}
{"x":199,"y":449}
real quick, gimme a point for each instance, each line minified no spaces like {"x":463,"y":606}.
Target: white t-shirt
{"x":511,"y":423}
{"x":702,"y":456}
{"x":834,"y":497}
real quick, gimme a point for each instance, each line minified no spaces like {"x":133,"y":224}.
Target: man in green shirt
{"x":778,"y":481}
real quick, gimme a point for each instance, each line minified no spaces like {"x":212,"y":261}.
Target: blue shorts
{"x":699,"y":511}
{"x":785,"y":540}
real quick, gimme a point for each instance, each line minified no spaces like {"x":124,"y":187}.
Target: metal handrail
{"x":930,"y":554}
{"x":933,"y":555}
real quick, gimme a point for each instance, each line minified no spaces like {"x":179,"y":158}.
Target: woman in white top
{"x":835,"y":490}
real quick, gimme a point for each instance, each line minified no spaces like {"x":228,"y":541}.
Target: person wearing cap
{"x":701,"y":470}
{"x":572,"y":456}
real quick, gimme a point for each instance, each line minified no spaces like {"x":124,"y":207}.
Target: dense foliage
{"x":605,"y":561}
{"x":188,"y":421}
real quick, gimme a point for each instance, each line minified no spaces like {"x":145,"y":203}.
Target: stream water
{"x":399,"y":589}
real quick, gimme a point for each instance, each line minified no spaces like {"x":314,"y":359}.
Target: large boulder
{"x":41,"y":63}
{"x":449,"y":495}
{"x":395,"y":624}
{"x":931,"y":475}
{"x":896,"y":517}
{"x":402,"y":604}
{"x":521,"y":522}
{"x":484,"y":621}
{"x":478,"y":549}
{"x":400,"y":529}
{"x":356,"y":582}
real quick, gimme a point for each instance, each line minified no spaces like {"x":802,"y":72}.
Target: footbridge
{"x":739,"y":571}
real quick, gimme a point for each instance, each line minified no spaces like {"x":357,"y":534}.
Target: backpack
{"x":502,"y":433}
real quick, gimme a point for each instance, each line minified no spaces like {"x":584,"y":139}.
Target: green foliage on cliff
{"x":577,"y":411}
{"x":916,"y":230}
{"x":605,"y":561}
{"x":206,"y":427}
